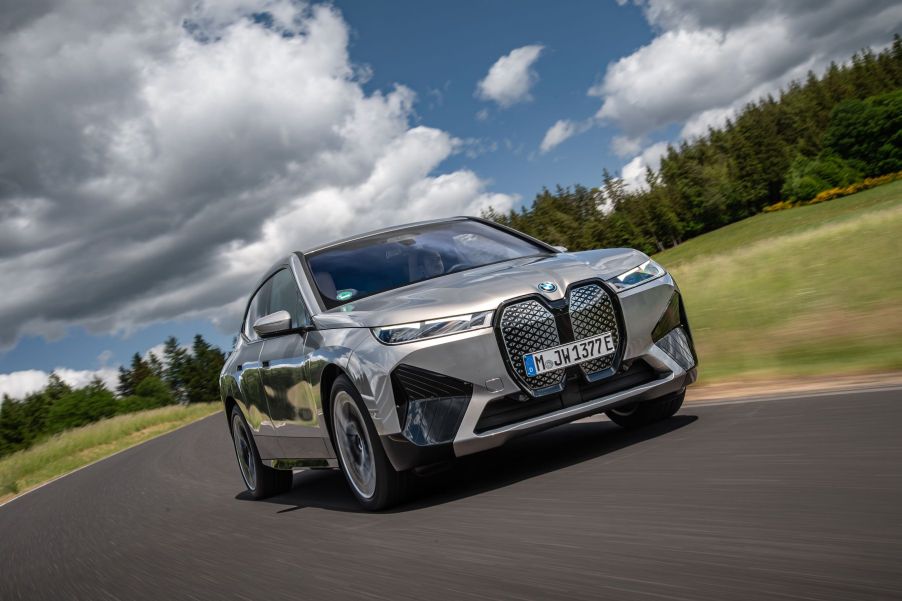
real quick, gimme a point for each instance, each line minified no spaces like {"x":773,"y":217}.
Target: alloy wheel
{"x":244,"y":452}
{"x":354,"y":444}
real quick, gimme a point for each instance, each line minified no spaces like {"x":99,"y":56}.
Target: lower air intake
{"x":676,"y":344}
{"x":430,"y":405}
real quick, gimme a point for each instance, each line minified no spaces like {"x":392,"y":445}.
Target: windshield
{"x":364,"y":267}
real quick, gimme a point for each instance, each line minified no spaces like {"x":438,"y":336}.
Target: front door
{"x":293,"y":406}
{"x":250,"y":374}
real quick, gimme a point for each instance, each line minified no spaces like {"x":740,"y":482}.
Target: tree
{"x":202,"y":372}
{"x":130,"y":378}
{"x":156,"y":367}
{"x":81,"y":406}
{"x":13,"y":435}
{"x":152,"y":392}
{"x":37,"y":406}
{"x":145,"y":384}
{"x":808,"y":176}
{"x":823,"y":132}
{"x":868,"y":133}
{"x":175,"y":359}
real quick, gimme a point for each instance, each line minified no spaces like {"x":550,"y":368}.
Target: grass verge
{"x":809,"y":291}
{"x":78,"y":447}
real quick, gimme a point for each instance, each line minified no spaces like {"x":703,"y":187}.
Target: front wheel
{"x":646,"y":412}
{"x":370,"y":475}
{"x":261,"y":480}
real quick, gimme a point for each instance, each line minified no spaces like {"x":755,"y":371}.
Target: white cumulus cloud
{"x":715,"y":56}
{"x":711,"y":57}
{"x":633,"y":173}
{"x":18,"y":384}
{"x":512,"y":76}
{"x":561,"y":131}
{"x":625,"y":145}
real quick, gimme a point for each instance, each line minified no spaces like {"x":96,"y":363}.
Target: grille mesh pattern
{"x":592,"y":313}
{"x":525,"y":328}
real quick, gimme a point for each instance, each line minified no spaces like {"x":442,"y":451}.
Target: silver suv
{"x":413,"y":345}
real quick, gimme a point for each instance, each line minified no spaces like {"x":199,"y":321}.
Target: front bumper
{"x":474,"y":358}
{"x":470,"y":441}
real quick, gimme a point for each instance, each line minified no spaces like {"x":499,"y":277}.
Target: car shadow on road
{"x":520,"y":459}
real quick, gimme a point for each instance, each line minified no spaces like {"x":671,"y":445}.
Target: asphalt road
{"x":782,"y":499}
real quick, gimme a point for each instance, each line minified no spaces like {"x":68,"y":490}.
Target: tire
{"x":367,"y":470}
{"x":646,"y":412}
{"x":261,"y":480}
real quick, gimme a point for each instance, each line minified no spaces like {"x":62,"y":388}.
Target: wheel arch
{"x":330,"y":374}
{"x":229,"y":403}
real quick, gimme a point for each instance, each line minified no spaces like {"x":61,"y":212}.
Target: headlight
{"x":408,"y":332}
{"x":637,"y":275}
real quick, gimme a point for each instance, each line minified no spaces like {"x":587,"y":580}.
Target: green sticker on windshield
{"x":344,"y":295}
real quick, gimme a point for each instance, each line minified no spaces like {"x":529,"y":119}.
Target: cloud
{"x":18,"y":384}
{"x":633,"y":173}
{"x":511,"y":77}
{"x":156,"y":350}
{"x":476,"y":147}
{"x":167,"y":152}
{"x":699,"y":124}
{"x":625,"y":146}
{"x":711,"y":57}
{"x":562,"y":130}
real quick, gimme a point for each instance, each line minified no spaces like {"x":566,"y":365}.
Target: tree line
{"x":825,"y":132}
{"x":180,"y":375}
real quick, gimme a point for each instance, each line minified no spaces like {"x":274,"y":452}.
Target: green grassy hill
{"x":810,"y":290}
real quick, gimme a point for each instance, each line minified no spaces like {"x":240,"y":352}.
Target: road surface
{"x":780,"y":499}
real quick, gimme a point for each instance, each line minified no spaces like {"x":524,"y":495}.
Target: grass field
{"x":78,"y":447}
{"x":808,"y":291}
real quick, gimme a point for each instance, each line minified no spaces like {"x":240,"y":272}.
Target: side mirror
{"x":274,"y":323}
{"x":560,"y":249}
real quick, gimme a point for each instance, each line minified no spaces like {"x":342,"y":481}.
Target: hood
{"x":479,"y":289}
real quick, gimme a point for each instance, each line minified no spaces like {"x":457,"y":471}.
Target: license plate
{"x":569,"y":354}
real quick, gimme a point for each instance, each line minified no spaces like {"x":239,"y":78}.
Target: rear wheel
{"x":639,"y":414}
{"x":369,"y":473}
{"x":261,"y":480}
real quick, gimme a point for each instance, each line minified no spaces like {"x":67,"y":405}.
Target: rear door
{"x":294,"y":409}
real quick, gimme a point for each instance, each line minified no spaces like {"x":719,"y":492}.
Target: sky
{"x":157,"y":155}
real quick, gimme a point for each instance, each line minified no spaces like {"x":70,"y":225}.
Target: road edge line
{"x":792,"y":396}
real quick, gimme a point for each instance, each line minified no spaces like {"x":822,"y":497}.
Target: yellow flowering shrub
{"x":833,"y":193}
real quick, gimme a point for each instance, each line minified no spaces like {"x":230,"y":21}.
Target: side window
{"x":285,"y":296}
{"x":257,"y":309}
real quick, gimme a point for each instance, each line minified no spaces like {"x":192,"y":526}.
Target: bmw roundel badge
{"x":547,"y":286}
